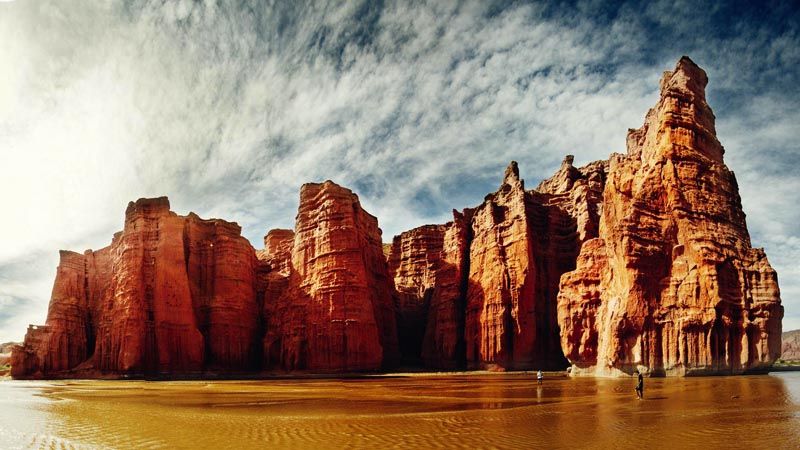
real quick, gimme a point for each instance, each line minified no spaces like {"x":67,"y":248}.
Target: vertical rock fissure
{"x":461,"y":305}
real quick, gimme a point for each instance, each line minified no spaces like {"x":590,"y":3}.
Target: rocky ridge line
{"x":641,"y":262}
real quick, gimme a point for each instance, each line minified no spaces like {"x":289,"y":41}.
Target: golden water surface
{"x":452,"y":411}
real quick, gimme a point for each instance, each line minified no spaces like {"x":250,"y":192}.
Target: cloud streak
{"x":229,"y":107}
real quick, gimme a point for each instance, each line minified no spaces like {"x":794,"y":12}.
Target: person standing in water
{"x":539,"y":377}
{"x":640,"y":386}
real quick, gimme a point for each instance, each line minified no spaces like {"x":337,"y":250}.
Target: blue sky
{"x":228,"y":108}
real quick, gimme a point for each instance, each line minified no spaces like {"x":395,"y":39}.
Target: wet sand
{"x":445,"y":411}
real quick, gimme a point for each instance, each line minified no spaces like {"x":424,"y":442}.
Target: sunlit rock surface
{"x":171,"y":295}
{"x":428,"y":267}
{"x":332,"y":309}
{"x":671,"y":285}
{"x":790,"y":348}
{"x":642,"y":262}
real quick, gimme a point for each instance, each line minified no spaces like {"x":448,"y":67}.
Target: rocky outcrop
{"x":74,"y":314}
{"x":274,"y":270}
{"x":170,"y":295}
{"x":790,"y":345}
{"x":671,"y":285}
{"x":335,"y":310}
{"x":221,"y":268}
{"x":502,"y":306}
{"x":150,"y":323}
{"x":414,"y":263}
{"x":500,"y":326}
{"x":521,"y":243}
{"x":178,"y":295}
{"x":488,"y":281}
{"x":340,"y":266}
{"x":428,"y":267}
{"x":642,"y":262}
{"x":577,"y":193}
{"x":5,"y":357}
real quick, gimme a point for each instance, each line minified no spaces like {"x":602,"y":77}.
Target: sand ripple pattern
{"x":455,"y":411}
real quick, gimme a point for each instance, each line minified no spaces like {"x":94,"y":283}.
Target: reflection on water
{"x":466,"y":411}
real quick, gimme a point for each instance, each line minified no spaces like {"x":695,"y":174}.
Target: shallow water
{"x":454,"y":411}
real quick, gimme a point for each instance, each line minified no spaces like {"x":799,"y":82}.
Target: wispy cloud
{"x":417,"y":106}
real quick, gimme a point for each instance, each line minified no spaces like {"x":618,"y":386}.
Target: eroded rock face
{"x":221,"y":269}
{"x":170,"y":295}
{"x":150,"y":321}
{"x":578,"y":193}
{"x":175,"y":295}
{"x":672,"y":284}
{"x":334,"y":310}
{"x":274,"y":269}
{"x":521,"y":242}
{"x":501,"y":308}
{"x":428,"y":267}
{"x":642,"y":262}
{"x":69,"y":336}
{"x":414,"y":263}
{"x":488,"y":281}
{"x":64,"y":340}
{"x":790,"y":347}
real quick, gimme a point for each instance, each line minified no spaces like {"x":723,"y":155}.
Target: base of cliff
{"x":281,"y":375}
{"x":614,"y":372}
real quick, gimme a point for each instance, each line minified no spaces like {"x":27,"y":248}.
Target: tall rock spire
{"x":680,"y":121}
{"x":670,"y":284}
{"x":511,"y":176}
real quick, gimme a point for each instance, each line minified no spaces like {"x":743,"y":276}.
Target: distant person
{"x":539,"y":377}
{"x":640,"y":386}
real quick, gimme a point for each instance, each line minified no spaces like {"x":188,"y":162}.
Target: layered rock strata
{"x":510,"y":318}
{"x":334,"y":309}
{"x":642,"y":262}
{"x":170,"y":295}
{"x":790,"y":345}
{"x":428,"y":267}
{"x":488,"y":281}
{"x":671,"y":284}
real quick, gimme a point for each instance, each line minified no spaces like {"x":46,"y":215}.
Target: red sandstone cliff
{"x":428,"y":266}
{"x":790,"y":345}
{"x":483,"y":288}
{"x":176,"y":295}
{"x":671,"y":284}
{"x":333,"y":307}
{"x":171,"y":295}
{"x":642,"y":262}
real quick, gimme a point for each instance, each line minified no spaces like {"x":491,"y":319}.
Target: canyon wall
{"x":428,"y":267}
{"x":171,"y":294}
{"x":179,"y":295}
{"x":671,"y":284}
{"x":333,"y":309}
{"x":790,"y":345}
{"x":641,"y":262}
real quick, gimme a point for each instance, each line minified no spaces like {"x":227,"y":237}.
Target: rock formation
{"x":414,"y":262}
{"x":671,"y":284}
{"x":5,"y":356}
{"x":642,"y":262}
{"x":428,"y":266}
{"x":790,"y":345}
{"x":170,"y":295}
{"x":488,"y":281}
{"x":510,"y":318}
{"x":333,"y":310}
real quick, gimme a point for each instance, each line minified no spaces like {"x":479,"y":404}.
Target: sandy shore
{"x":450,"y":410}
